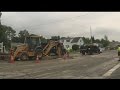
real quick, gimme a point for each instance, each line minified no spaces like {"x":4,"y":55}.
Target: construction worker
{"x":118,"y":52}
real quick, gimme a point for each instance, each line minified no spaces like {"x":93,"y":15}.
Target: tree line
{"x":8,"y":34}
{"x":103,"y":41}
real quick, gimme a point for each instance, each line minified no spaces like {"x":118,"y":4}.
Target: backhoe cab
{"x":29,"y":48}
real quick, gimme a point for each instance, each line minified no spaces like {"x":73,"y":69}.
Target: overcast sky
{"x":65,"y":23}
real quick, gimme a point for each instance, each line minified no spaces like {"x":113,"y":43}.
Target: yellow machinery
{"x":33,"y":47}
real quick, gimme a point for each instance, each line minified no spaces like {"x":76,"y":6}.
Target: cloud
{"x":112,"y":33}
{"x":65,"y":23}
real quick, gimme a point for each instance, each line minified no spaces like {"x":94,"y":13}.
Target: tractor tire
{"x":24,"y":57}
{"x":40,"y":55}
{"x":38,"y":51}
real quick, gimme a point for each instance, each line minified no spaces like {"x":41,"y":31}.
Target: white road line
{"x":112,"y":70}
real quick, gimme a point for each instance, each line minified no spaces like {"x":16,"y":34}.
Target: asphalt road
{"x":80,"y":67}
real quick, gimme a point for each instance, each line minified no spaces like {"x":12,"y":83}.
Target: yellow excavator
{"x":34,"y":47}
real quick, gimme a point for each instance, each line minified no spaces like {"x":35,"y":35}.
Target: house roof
{"x":63,"y":37}
{"x":75,"y":40}
{"x":66,"y":38}
{"x":33,"y":35}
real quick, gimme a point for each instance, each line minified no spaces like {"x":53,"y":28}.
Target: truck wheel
{"x":24,"y":57}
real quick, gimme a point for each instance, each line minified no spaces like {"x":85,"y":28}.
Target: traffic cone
{"x":68,"y":55}
{"x":11,"y":59}
{"x":11,"y":56}
{"x":37,"y":59}
{"x":65,"y":56}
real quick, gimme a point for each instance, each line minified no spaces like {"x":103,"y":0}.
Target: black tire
{"x":24,"y":57}
{"x":40,"y":55}
{"x":17,"y":59}
{"x":38,"y":51}
{"x":83,"y":53}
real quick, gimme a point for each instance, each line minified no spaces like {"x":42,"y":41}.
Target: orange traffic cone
{"x":37,"y":59}
{"x":11,"y":59}
{"x":65,"y":56}
{"x":11,"y":56}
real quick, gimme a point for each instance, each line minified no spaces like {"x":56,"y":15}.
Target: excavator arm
{"x":49,"y":46}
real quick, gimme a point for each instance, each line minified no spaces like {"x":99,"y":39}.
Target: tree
{"x":75,"y":47}
{"x":2,"y":33}
{"x":22,"y":34}
{"x":97,"y":41}
{"x":55,"y":38}
{"x":106,"y":38}
{"x":92,"y":39}
{"x":6,"y":35}
{"x":86,"y":40}
{"x":16,"y":39}
{"x":43,"y":40}
{"x":10,"y":33}
{"x":113,"y":40}
{"x":104,"y":42}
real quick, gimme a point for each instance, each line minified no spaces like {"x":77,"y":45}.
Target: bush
{"x":75,"y":47}
{"x":71,"y":50}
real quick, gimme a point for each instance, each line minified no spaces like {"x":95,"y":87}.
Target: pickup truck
{"x":89,"y":49}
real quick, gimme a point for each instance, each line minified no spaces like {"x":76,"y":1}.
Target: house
{"x":2,"y":48}
{"x":68,"y":42}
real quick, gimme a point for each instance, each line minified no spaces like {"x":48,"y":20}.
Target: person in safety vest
{"x":118,"y":51}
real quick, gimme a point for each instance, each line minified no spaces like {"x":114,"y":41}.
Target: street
{"x":80,"y":67}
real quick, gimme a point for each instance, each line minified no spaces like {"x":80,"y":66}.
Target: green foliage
{"x":55,"y":38}
{"x":75,"y":47}
{"x":16,"y":39}
{"x":43,"y":40}
{"x":104,"y":41}
{"x":6,"y":35}
{"x":71,"y":50}
{"x":105,"y":38}
{"x":93,"y":39}
{"x":22,"y":35}
{"x":86,"y":40}
{"x":98,"y":41}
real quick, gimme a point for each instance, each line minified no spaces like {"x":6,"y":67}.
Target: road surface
{"x":99,"y":66}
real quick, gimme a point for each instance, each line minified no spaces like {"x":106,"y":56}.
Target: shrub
{"x":75,"y":47}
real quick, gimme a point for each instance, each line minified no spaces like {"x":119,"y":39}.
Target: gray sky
{"x":65,"y":23}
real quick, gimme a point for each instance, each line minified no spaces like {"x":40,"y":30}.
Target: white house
{"x":2,"y":48}
{"x":69,"y":42}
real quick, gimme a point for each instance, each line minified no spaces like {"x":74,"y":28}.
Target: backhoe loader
{"x":34,"y":47}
